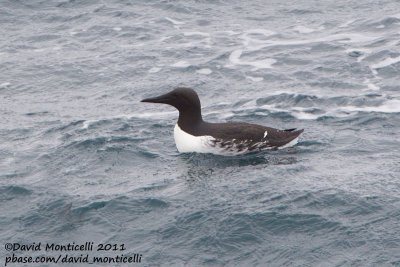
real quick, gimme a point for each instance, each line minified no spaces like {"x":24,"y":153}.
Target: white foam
{"x":371,"y":85}
{"x":396,"y":16}
{"x":342,"y":38}
{"x":7,"y":161}
{"x":204,"y":71}
{"x":303,"y":29}
{"x":175,"y":22}
{"x":390,"y":106}
{"x":255,"y":79}
{"x":205,"y":34}
{"x":154,"y":70}
{"x":347,"y":38}
{"x":5,"y":85}
{"x":302,"y":113}
{"x":386,"y":62}
{"x":250,"y":40}
{"x":181,"y":64}
{"x":117,"y":29}
{"x":347,"y":23}
{"x":234,"y":58}
{"x":206,"y":40}
{"x":164,"y":38}
{"x":76,"y":31}
{"x":298,"y":112}
{"x":87,"y":123}
{"x":229,"y":32}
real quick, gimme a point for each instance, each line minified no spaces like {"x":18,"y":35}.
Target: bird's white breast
{"x":189,"y":143}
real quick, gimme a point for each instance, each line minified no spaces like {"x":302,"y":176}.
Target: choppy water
{"x":82,"y":160}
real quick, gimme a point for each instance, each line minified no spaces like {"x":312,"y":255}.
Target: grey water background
{"x":81,"y":159}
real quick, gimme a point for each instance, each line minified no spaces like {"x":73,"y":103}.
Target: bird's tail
{"x":292,"y":138}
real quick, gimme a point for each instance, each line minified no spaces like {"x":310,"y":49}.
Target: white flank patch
{"x":186,"y":143}
{"x":291,"y":143}
{"x":265,"y":134}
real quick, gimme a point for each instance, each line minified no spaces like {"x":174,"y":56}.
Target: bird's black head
{"x":182,"y":98}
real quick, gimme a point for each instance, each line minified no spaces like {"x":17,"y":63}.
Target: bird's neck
{"x":188,"y":118}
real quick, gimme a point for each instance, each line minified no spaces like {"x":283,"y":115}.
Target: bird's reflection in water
{"x":201,"y":167}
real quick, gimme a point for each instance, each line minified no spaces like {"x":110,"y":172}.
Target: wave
{"x":311,"y":107}
{"x":386,"y":62}
{"x":125,"y":204}
{"x":98,"y":141}
{"x":126,"y":117}
{"x":60,"y":214}
{"x":12,"y":191}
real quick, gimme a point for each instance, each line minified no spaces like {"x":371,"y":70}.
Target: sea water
{"x":82,"y":160}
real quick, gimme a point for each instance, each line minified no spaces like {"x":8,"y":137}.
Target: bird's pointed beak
{"x":158,"y":99}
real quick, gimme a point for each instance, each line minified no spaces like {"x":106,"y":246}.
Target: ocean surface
{"x":82,"y":160}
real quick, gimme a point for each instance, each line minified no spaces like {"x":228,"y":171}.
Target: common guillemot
{"x":192,"y":134}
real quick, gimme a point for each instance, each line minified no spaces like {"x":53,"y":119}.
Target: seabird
{"x":193,"y":134}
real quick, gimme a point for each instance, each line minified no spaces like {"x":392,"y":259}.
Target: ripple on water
{"x":239,"y":232}
{"x":14,"y":191}
{"x":210,"y":161}
{"x":62,"y":215}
